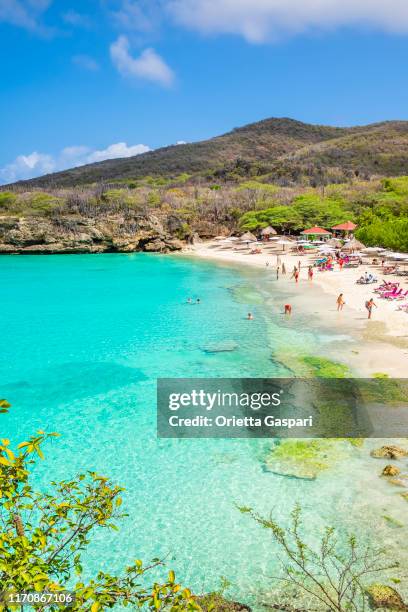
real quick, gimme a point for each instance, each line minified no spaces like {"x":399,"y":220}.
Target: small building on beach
{"x":316,"y":233}
{"x":344,"y":228}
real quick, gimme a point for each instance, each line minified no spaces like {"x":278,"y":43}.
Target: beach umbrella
{"x":353,"y":245}
{"x":398,"y":256}
{"x":284,"y":242}
{"x":373,"y":249}
{"x":269,"y":231}
{"x":335,"y":242}
{"x":248,"y":237}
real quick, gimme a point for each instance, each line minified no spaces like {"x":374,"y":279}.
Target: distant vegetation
{"x":276,"y":172}
{"x":280,"y":151}
{"x":378,"y":206}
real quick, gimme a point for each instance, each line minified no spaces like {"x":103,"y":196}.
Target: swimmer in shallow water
{"x":250,"y":316}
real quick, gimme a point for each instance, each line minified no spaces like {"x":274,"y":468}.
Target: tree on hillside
{"x":43,"y":536}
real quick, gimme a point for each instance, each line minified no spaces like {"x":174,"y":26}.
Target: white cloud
{"x":120,"y":149}
{"x":76,"y":19}
{"x":149,"y":65}
{"x":86,"y":62}
{"x":181,"y":142}
{"x":26,"y":166}
{"x":262,"y":20}
{"x":37,"y":164}
{"x":23,"y":13}
{"x":142,"y":15}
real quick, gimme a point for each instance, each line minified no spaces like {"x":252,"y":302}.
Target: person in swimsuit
{"x":369,"y":305}
{"x":340,"y":302}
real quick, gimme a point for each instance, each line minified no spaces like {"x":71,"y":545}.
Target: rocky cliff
{"x":120,"y":233}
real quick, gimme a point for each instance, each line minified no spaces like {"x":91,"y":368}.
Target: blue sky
{"x":84,"y":81}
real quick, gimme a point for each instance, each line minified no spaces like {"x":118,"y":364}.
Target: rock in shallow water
{"x":304,"y":459}
{"x":391,"y":470}
{"x":389,"y":452}
{"x":382,"y":596}
{"x":220,"y":347}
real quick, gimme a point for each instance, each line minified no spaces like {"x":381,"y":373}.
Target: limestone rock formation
{"x":76,"y":234}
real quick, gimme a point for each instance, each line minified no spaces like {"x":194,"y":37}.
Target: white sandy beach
{"x":386,"y":335}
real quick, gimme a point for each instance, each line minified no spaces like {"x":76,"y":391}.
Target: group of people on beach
{"x":340,"y":302}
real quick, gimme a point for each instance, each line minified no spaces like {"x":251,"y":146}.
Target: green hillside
{"x":282,"y":149}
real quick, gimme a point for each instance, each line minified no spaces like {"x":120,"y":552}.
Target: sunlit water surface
{"x":84,"y":339}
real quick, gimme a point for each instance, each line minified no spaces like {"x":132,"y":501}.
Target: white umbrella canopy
{"x":373,"y":249}
{"x":401,"y":256}
{"x":284,"y":242}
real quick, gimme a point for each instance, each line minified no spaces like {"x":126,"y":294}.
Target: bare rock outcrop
{"x":76,"y":234}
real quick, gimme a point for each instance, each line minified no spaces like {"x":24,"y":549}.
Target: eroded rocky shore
{"x":42,"y":235}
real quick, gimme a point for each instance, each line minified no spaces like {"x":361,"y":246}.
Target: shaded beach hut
{"x":316,"y":233}
{"x":345,"y":228}
{"x":267,"y":232}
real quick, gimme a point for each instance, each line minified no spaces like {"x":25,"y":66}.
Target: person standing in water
{"x":369,"y":305}
{"x":295,"y":274}
{"x":277,"y":273}
{"x":310,"y":273}
{"x":340,"y":302}
{"x":283,"y":268}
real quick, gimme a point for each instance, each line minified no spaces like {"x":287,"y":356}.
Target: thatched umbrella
{"x":248,"y":237}
{"x":335,"y":242}
{"x":353,"y":245}
{"x":269,"y":231}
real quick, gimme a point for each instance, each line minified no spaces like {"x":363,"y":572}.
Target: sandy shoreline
{"x":384,"y":339}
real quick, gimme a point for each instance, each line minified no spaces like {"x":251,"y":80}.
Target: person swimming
{"x":250,"y":316}
{"x":198,"y":301}
{"x":189,"y":301}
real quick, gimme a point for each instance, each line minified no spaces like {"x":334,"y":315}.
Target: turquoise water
{"x":84,"y":339}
